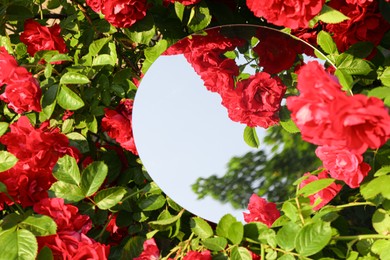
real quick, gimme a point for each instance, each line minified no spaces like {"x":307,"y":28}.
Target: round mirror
{"x":210,"y":124}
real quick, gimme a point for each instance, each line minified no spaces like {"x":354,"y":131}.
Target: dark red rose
{"x":186,"y":2}
{"x":124,"y":13}
{"x":22,"y":92}
{"x":261,"y":211}
{"x":66,"y":216}
{"x":255,"y":101}
{"x":291,"y":13}
{"x":117,"y":124}
{"x":95,"y":5}
{"x":151,"y":251}
{"x":194,"y":255}
{"x":8,"y":65}
{"x":365,"y":24}
{"x":39,"y":38}
{"x":325,"y":195}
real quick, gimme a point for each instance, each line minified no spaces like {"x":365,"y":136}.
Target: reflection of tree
{"x":269,"y":175}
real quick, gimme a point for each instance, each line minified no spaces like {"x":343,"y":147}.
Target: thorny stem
{"x":283,"y":251}
{"x":354,"y":204}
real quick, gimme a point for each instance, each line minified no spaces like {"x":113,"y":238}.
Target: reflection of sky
{"x":182,"y":132}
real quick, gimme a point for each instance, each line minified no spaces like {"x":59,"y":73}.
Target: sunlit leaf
{"x":7,"y":160}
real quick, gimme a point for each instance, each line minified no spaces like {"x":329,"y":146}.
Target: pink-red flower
{"x":194,"y":255}
{"x":8,"y":65}
{"x":325,"y":195}
{"x":151,"y":251}
{"x":255,"y":101}
{"x":117,"y":124}
{"x":343,"y":165}
{"x":123,"y":13}
{"x":261,"y":211}
{"x":39,"y":38}
{"x":96,"y":5}
{"x":291,"y":13}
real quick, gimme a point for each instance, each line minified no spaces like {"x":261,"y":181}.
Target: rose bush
{"x":73,"y":187}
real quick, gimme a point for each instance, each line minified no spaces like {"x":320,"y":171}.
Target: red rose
{"x":193,"y":255}
{"x":65,"y":215}
{"x":22,"y":92}
{"x":96,"y":5}
{"x":40,"y":38}
{"x":291,"y":14}
{"x":325,"y":195}
{"x":255,"y":101}
{"x":117,"y":124}
{"x":261,"y":211}
{"x":73,"y":245}
{"x":365,"y":24}
{"x":151,"y":251}
{"x":124,"y":13}
{"x":361,"y":122}
{"x":359,"y":2}
{"x":343,"y":165}
{"x":8,"y":65}
{"x":276,"y":51}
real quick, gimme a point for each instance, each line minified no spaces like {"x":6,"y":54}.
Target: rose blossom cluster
{"x":120,"y":13}
{"x":22,"y":92}
{"x":118,"y":124}
{"x":40,"y":38}
{"x":70,"y":241}
{"x":343,"y":126}
{"x":261,"y":211}
{"x":37,"y":151}
{"x":254,"y":101}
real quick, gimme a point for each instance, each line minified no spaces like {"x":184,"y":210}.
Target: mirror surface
{"x":193,"y":106}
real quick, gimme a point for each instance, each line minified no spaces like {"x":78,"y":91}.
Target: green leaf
{"x":215,"y":243}
{"x":142,"y":31}
{"x":152,"y":202}
{"x":79,"y":141}
{"x":18,"y":244}
{"x":152,"y":53}
{"x":250,"y":137}
{"x":315,"y":186}
{"x":290,"y":211}
{"x":236,"y":232}
{"x":59,"y":57}
{"x":223,"y":225}
{"x":290,"y":126}
{"x":286,"y":257}
{"x":385,"y":77}
{"x":74,"y":78}
{"x":312,"y":238}
{"x":381,"y":222}
{"x":285,"y":237}
{"x":48,"y":102}
{"x":201,"y":228}
{"x":45,"y":254}
{"x":163,"y":223}
{"x":179,"y":10}
{"x":103,"y":59}
{"x":240,"y":253}
{"x":200,"y":17}
{"x":7,"y":160}
{"x":361,"y":49}
{"x":3,"y":188}
{"x":93,"y":177}
{"x":330,"y":15}
{"x":110,"y":197}
{"x":69,"y":192}
{"x":68,"y":99}
{"x":345,"y":79}
{"x":3,"y":127}
{"x":97,"y":45}
{"x":352,"y":65}
{"x":18,"y":12}
{"x":383,"y":171}
{"x":39,"y":225}
{"x":325,"y":41}
{"x":378,"y":185}
{"x":379,"y":92}
{"x":67,"y":170}
{"x":133,"y":247}
{"x":381,"y":247}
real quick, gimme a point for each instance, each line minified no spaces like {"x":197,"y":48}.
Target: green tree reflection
{"x":270,"y":175}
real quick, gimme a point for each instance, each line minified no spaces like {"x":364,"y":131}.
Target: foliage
{"x":72,"y":184}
